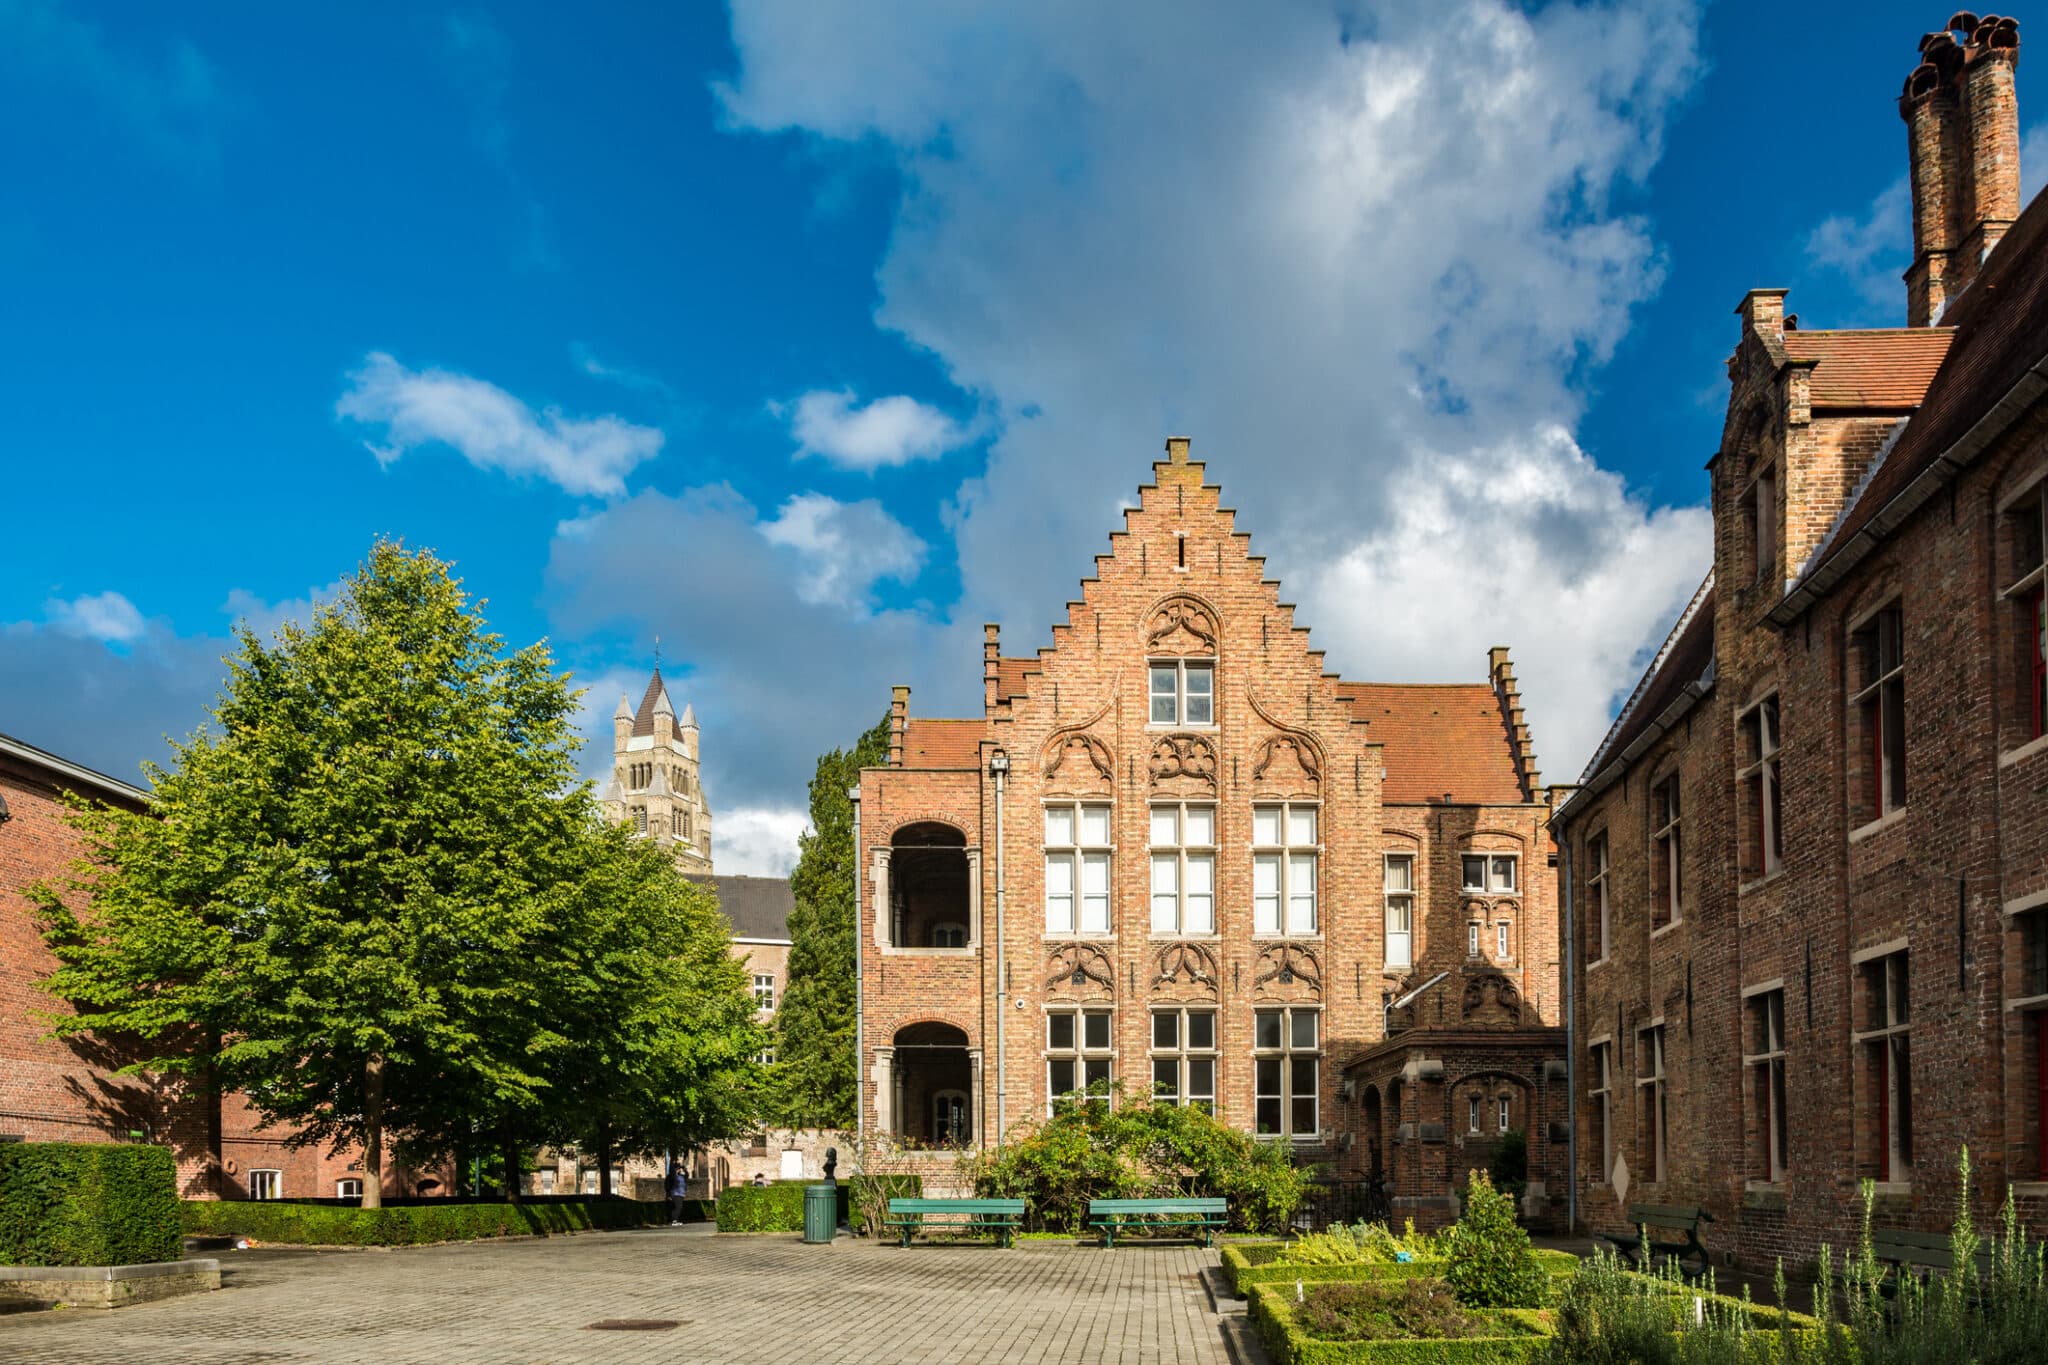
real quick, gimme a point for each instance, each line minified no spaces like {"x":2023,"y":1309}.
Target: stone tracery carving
{"x":1194,"y":961}
{"x":1491,"y":997}
{"x":1074,"y":965}
{"x":1285,"y":964}
{"x":1288,"y":762}
{"x":1181,"y":625}
{"x":1190,"y":757}
{"x":1076,"y":761}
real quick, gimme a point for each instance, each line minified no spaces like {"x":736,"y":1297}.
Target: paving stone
{"x":762,"y":1300}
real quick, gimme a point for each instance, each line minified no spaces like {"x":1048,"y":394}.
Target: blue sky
{"x":810,"y":336}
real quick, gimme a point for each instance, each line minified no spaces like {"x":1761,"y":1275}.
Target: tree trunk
{"x":604,"y":1160}
{"x":508,"y":1147}
{"x":373,"y":1133}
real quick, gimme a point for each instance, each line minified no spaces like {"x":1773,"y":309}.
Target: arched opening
{"x":930,"y":892}
{"x":934,"y":1080}
{"x":1484,"y":1109}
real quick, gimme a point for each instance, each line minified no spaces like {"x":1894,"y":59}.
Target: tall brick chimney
{"x":899,"y":721}
{"x":991,"y":672}
{"x":1963,"y":147}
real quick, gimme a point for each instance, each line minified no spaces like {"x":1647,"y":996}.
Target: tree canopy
{"x":374,"y":897}
{"x":816,"y":1082}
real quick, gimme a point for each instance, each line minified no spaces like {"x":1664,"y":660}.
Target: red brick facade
{"x":1855,"y":981}
{"x":1181,"y":871}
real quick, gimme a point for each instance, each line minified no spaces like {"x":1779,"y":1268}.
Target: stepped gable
{"x":1441,"y":739}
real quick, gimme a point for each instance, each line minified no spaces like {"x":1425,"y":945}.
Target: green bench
{"x":1922,"y":1254}
{"x":1669,"y":1219}
{"x":1203,"y":1217}
{"x":1000,"y":1216}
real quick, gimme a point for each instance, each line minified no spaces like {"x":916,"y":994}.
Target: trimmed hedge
{"x":411,"y":1225}
{"x":869,"y":1196}
{"x":1272,"y":1312}
{"x":762,"y":1208}
{"x":1266,"y":1263}
{"x":87,"y":1203}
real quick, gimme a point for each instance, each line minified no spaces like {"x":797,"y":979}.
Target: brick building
{"x":1174,"y":852}
{"x":1807,"y":871}
{"x":68,"y":1090}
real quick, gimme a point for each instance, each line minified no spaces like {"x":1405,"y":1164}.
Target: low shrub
{"x":1268,"y":1263}
{"x":1508,"y":1167}
{"x":762,"y":1208}
{"x":1609,"y":1315}
{"x":87,"y":1203}
{"x":868,"y":1197}
{"x":1134,"y":1149}
{"x":1505,"y":1336}
{"x":1489,"y":1262}
{"x":413,"y":1224}
{"x":1365,"y":1243}
{"x":1388,"y":1310}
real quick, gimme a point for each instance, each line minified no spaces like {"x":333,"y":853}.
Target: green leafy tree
{"x":815,"y":1082}
{"x":1490,"y":1263}
{"x":339,"y":900}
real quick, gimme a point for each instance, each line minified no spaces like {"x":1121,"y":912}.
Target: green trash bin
{"x":821,"y":1212}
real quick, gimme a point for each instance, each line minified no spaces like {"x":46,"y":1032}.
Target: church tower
{"x":655,"y":787}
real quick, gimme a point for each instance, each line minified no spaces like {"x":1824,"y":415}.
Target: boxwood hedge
{"x":762,"y":1208}
{"x":414,"y":1224}
{"x":1272,"y":1313}
{"x":1267,"y":1263}
{"x":87,"y":1203}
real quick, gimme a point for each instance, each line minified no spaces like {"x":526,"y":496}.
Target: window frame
{"x":1488,"y":884}
{"x":1879,"y":705}
{"x":1653,"y":1107}
{"x":1761,"y":783}
{"x":1181,"y":697}
{"x":1401,"y":899}
{"x":1286,"y":1057}
{"x":1180,"y":856}
{"x":340,"y":1192}
{"x":1502,"y":950}
{"x":2029,"y":564}
{"x":1472,"y":1103}
{"x":1598,"y":854}
{"x":1287,"y":857}
{"x":1184,"y":1055}
{"x":1472,"y":927}
{"x":1886,"y":1042}
{"x":764,"y":992}
{"x":1600,"y":1059}
{"x":1761,"y":499}
{"x":1667,"y":851}
{"x":1503,"y":1110}
{"x":1764,"y":1020}
{"x":266,"y":1183}
{"x":1080,"y":1054}
{"x":1080,"y":856}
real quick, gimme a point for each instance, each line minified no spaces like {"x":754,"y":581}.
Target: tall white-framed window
{"x":1284,"y":868}
{"x":1600,"y":1059}
{"x":1763,"y":847}
{"x":1182,"y":692}
{"x":1400,"y":893}
{"x":1598,"y":924}
{"x":764,"y":991}
{"x":1667,"y":855}
{"x":1286,"y":1062}
{"x":547,"y":1181}
{"x":1472,"y":1113}
{"x":1503,"y":1111}
{"x":266,"y":1184}
{"x":1650,"y":1098}
{"x":1766,"y":1065}
{"x":1183,"y":869}
{"x":1472,"y":938}
{"x":1184,"y":1057}
{"x":1077,"y":855}
{"x":1077,"y":1053}
{"x":1886,"y":1041}
{"x":1501,"y":951}
{"x":348,"y":1188}
{"x":1494,"y":873}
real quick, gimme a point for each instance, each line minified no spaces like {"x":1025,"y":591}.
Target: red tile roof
{"x":1440,"y":738}
{"x":2001,"y":331}
{"x":943,"y":743}
{"x":1883,"y":368}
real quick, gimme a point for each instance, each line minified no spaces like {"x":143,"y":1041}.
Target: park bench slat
{"x":1670,"y":1218}
{"x":1206,"y":1214}
{"x":1001,"y":1216}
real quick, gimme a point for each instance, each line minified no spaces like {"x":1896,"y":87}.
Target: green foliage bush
{"x":1516,"y":1335}
{"x":1364,"y":1243}
{"x":1135,"y":1149}
{"x":1245,"y":1266}
{"x":869,"y":1196}
{"x":1489,"y":1262}
{"x":413,"y":1224}
{"x":87,"y":1203}
{"x":1388,"y":1310}
{"x":762,"y":1208}
{"x":1508,"y":1167}
{"x":1609,"y":1315}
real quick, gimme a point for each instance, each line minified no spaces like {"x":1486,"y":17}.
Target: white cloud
{"x":1872,"y":248}
{"x":886,"y":432}
{"x":588,"y":456}
{"x":843,"y":548}
{"x":1352,"y":255}
{"x":756,"y":841}
{"x":107,"y":617}
{"x":265,"y":617}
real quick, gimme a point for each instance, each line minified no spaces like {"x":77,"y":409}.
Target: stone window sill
{"x":2024,"y":752}
{"x":1760,"y":883}
{"x":1877,"y":826}
{"x":1664,"y":929}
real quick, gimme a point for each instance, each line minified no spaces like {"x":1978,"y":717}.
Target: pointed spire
{"x":689,"y":716}
{"x":662,"y":705}
{"x":625,"y":711}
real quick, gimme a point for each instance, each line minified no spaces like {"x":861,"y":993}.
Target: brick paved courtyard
{"x":740,"y":1298}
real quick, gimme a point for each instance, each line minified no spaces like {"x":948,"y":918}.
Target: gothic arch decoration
{"x":1288,"y":969}
{"x":1288,"y":765}
{"x":1308,"y":751}
{"x":1192,"y":963}
{"x":1079,"y":969}
{"x":1179,"y":762}
{"x":1491,"y":998}
{"x":1181,"y":625}
{"x":1075,"y":762}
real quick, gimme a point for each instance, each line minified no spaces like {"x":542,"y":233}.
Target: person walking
{"x":678,"y":1191}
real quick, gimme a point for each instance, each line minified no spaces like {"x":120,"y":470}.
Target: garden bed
{"x":1504,"y":1336}
{"x":1267,"y":1263}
